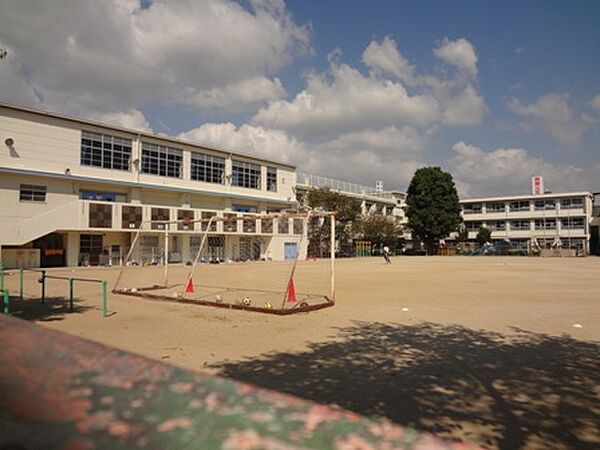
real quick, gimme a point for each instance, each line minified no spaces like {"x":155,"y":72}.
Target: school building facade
{"x":74,"y":192}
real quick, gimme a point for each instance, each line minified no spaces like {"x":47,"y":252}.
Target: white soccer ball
{"x":133,"y":289}
{"x":246,"y":301}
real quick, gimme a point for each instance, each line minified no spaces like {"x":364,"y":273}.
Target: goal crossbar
{"x":180,"y":295}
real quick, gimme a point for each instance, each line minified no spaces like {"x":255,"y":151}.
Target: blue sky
{"x":494,"y":92}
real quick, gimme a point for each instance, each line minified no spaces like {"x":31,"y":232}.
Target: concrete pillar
{"x":185,"y":248}
{"x":72,"y":247}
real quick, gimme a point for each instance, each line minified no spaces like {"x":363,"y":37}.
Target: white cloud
{"x":391,"y":153}
{"x":465,"y":109}
{"x":256,"y":141}
{"x":385,"y":58}
{"x":553,"y":114}
{"x":113,"y":55}
{"x":459,"y":53}
{"x":508,"y":171}
{"x":595,"y":102}
{"x":343,"y":99}
{"x":132,"y":119}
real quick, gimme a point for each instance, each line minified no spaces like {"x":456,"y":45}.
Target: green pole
{"x":104,"y":299}
{"x":70,"y":294}
{"x":1,"y":276}
{"x":21,"y":283}
{"x":6,"y":303}
{"x":43,"y":278}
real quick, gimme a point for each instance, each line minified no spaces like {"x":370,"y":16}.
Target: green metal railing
{"x":42,"y":280}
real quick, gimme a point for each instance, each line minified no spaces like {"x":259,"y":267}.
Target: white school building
{"x":536,"y":221}
{"x":73,"y":192}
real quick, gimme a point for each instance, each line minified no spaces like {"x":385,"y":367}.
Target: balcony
{"x":127,"y":217}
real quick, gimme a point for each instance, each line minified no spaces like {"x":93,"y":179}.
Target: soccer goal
{"x":279,"y":263}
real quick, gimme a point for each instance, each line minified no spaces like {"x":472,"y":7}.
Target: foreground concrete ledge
{"x":59,"y":391}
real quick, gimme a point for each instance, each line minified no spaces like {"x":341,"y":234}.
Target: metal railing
{"x":317,"y":181}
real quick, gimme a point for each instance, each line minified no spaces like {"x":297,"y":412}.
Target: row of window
{"x":112,"y":152}
{"x":523,"y":205}
{"x":567,"y":223}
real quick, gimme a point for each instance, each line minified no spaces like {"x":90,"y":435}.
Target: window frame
{"x":245,"y":174}
{"x":100,"y":150}
{"x":210,"y":165}
{"x":272,"y":179}
{"x":164,"y":158}
{"x":37,"y":193}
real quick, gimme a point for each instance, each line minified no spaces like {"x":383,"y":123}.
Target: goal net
{"x":278,"y":263}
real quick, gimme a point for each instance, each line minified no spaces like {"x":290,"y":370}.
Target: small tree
{"x":347,"y":216}
{"x":433,"y":209}
{"x":381,"y":230}
{"x":463,"y":234}
{"x":484,"y":235}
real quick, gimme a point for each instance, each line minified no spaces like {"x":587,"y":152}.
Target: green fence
{"x":42,"y":281}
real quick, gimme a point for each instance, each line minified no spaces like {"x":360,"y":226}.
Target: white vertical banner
{"x":537,"y":185}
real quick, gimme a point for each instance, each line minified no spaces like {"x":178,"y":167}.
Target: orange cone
{"x":189,"y":287}
{"x":291,"y":292}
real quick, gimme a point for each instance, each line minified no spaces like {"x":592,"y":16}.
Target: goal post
{"x":274,"y":263}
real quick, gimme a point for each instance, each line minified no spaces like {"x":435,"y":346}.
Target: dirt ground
{"x":501,"y":351}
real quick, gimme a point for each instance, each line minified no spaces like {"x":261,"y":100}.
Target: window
{"x":571,"y":203}
{"x":472,"y":208}
{"x":545,"y":205}
{"x":104,"y":150}
{"x":545,"y":224}
{"x":90,"y":243}
{"x":31,"y":193}
{"x":161,"y":160}
{"x":495,"y":207}
{"x":522,"y":205}
{"x":207,"y":168}
{"x":245,"y":174}
{"x":520,"y":225}
{"x":572,"y":223}
{"x":243,"y":208}
{"x":103,"y":196}
{"x":473,"y":226}
{"x":272,"y":179}
{"x":498,"y":225}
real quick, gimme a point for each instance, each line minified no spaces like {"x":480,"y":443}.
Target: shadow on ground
{"x":53,"y":309}
{"x":520,"y":391}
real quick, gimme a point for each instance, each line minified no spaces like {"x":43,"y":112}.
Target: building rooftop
{"x":526,"y":197}
{"x":172,"y":140}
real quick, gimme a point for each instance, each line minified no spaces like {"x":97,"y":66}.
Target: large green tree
{"x":347,"y":218}
{"x":433,"y":208}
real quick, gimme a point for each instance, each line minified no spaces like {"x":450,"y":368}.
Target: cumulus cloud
{"x":256,"y":141}
{"x":459,"y":53}
{"x":343,"y":99}
{"x":508,"y":171}
{"x":385,"y":58}
{"x":391,"y":153}
{"x":115,"y":55}
{"x":132,"y":119}
{"x":595,"y":102}
{"x":552,"y":113}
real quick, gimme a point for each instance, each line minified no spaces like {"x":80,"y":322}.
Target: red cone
{"x":189,"y":287}
{"x":291,"y":292}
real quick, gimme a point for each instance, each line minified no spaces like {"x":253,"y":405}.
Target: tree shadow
{"x":524,"y":390}
{"x":53,"y":309}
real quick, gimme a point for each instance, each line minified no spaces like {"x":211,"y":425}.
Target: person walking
{"x":386,"y":255}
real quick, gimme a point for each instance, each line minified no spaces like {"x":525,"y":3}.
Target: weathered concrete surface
{"x":62,"y":392}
